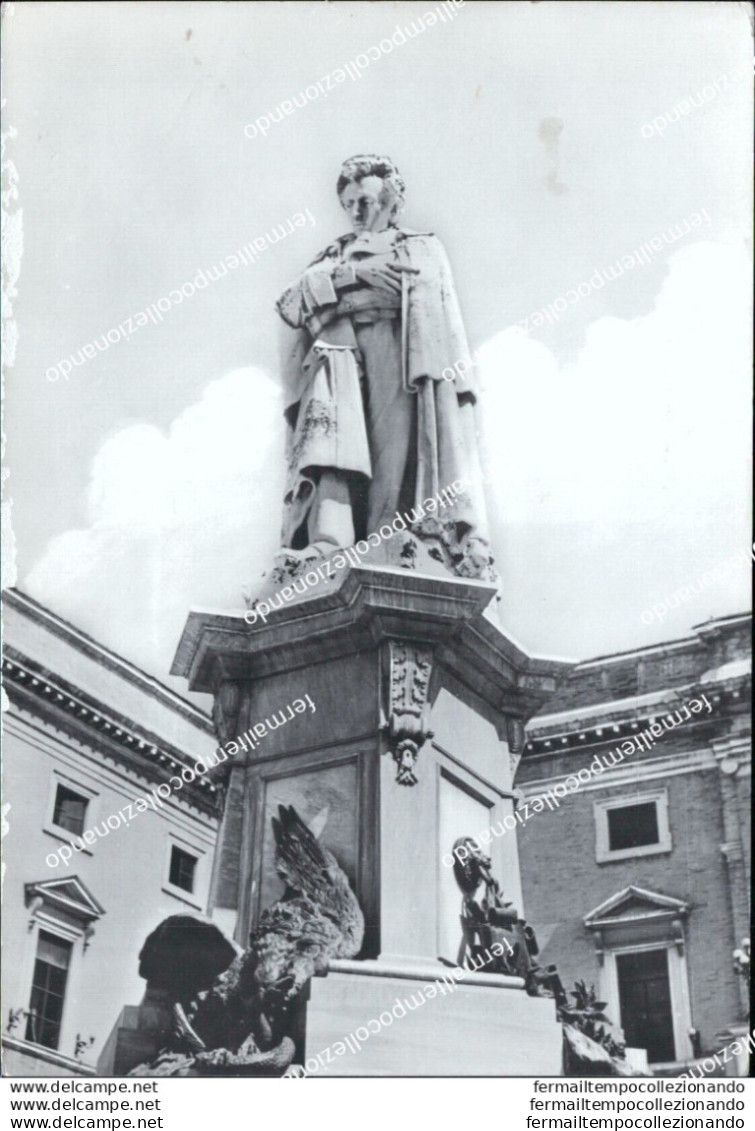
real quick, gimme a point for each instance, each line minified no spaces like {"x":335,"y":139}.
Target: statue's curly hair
{"x":355,"y":169}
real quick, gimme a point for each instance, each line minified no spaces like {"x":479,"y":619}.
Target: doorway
{"x":645,"y":1003}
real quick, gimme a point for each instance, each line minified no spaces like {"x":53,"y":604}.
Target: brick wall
{"x":562,"y":881}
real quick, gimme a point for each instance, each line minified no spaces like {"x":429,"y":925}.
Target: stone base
{"x":735,"y":1064}
{"x":387,"y":706}
{"x":24,"y":1058}
{"x":484,"y":1025}
{"x":130,"y":1043}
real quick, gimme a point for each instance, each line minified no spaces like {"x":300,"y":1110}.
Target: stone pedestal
{"x":137,"y":1036}
{"x":735,"y":1037}
{"x":389,"y":710}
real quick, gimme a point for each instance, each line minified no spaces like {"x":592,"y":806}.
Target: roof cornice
{"x":27,"y":606}
{"x":365,"y":607}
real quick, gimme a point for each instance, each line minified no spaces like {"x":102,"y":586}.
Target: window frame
{"x":178,"y":855}
{"x":72,"y":796}
{"x":75,"y":786}
{"x":678,"y":978}
{"x":645,"y":825}
{"x":189,"y":897}
{"x":603,"y":852}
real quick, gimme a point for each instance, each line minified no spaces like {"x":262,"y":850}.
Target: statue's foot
{"x":288,"y":565}
{"x":249,"y":1060}
{"x":297,"y":1070}
{"x":166,"y":1063}
{"x":476,"y":560}
{"x":183,"y":1031}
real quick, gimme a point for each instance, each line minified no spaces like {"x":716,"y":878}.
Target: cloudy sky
{"x":616,"y":438}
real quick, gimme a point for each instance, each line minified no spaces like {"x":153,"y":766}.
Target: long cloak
{"x":437,"y":368}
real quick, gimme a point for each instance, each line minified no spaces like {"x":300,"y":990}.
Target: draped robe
{"x":348,"y":347}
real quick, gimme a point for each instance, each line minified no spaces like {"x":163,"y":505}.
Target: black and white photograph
{"x":377,"y":557}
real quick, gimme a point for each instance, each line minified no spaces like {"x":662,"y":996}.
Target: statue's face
{"x":367,"y":204}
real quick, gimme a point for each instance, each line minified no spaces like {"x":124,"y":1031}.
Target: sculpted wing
{"x":300,"y":860}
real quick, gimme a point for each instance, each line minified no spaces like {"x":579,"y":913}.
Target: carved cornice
{"x":39,"y":1053}
{"x":79,"y":714}
{"x":365,"y":608}
{"x":582,"y":736}
{"x":633,"y":903}
{"x":644,"y":769}
{"x":515,"y":739}
{"x":733,"y":752}
{"x":68,"y":894}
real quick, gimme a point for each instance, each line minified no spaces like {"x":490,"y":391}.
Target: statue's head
{"x":371,"y":191}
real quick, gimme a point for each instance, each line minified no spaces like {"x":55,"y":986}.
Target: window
{"x":48,"y":990}
{"x":645,"y":1003}
{"x":69,"y":810}
{"x":632,"y":826}
{"x":182,"y":868}
{"x":181,"y":879}
{"x":639,"y":938}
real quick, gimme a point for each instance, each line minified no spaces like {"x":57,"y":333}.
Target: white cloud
{"x":651,"y":417}
{"x":618,"y":478}
{"x":176,"y":520}
{"x":614,"y":480}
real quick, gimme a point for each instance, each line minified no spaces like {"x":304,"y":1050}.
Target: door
{"x":645,"y":1003}
{"x":45,"y":1013}
{"x":462,"y":813}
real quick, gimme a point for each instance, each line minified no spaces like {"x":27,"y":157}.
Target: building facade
{"x":636,"y":873}
{"x":105,"y":834}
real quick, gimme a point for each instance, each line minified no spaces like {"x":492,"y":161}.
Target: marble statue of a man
{"x":380,"y":424}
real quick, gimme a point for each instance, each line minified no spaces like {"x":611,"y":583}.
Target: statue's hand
{"x":385,"y":277}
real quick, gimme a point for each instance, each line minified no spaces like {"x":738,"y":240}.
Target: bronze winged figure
{"x":244,"y":1021}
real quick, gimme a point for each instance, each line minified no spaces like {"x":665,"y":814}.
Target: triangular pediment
{"x":634,"y":903}
{"x":68,"y":894}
